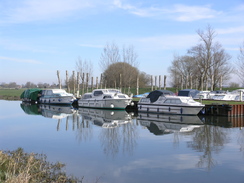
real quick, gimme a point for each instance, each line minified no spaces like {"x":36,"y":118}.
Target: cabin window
{"x":97,"y":93}
{"x":168,"y":101}
{"x":172,"y":101}
{"x":49,"y":92}
{"x":107,"y":96}
{"x":121,"y":96}
{"x":87,"y":96}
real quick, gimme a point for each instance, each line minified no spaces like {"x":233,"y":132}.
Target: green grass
{"x":11,"y":92}
{"x":219,"y":102}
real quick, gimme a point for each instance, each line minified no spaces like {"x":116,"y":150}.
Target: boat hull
{"x":104,"y":103}
{"x":64,"y":100}
{"x":169,"y":109}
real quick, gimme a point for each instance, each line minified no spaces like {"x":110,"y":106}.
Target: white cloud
{"x":191,"y":13}
{"x":178,"y":12}
{"x":30,"y":61}
{"x":231,"y":30}
{"x":35,"y":10}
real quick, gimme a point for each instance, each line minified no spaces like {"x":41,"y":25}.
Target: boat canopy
{"x":31,"y":94}
{"x":157,"y":93}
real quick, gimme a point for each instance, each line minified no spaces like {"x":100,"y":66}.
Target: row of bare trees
{"x":207,"y":62}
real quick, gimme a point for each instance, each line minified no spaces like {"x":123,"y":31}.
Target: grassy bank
{"x":11,"y":94}
{"x":21,"y":167}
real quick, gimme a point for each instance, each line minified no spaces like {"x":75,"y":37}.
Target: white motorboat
{"x":158,"y":102}
{"x":106,"y":99}
{"x":202,"y":95}
{"x":56,"y":96}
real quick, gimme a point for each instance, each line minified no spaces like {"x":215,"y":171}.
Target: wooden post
{"x":190,"y":82}
{"x":87,"y":81}
{"x":202,"y":83}
{"x":159,"y":81}
{"x":96,"y":82}
{"x":78,"y":84}
{"x":186,"y":81}
{"x":120,"y":78}
{"x":165,"y":82}
{"x":59,"y":81}
{"x":206,"y":84}
{"x":137,"y":85}
{"x":181,"y":87}
{"x":83,"y":83}
{"x":74,"y":82}
{"x":155,"y":82}
{"x":221,"y":80}
{"x":67,"y":81}
{"x":212,"y":82}
{"x":92,"y":83}
{"x":101,"y":80}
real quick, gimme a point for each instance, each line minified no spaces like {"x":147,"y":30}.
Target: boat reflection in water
{"x":105,"y":118}
{"x":56,"y":111}
{"x":49,"y":111}
{"x":161,"y":124}
{"x":99,"y":117}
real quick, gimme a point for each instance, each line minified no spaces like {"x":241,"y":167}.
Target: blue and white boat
{"x":56,"y":96}
{"x":160,"y":102}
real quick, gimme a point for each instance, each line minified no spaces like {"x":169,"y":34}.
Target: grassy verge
{"x":11,"y":94}
{"x":21,"y":167}
{"x":219,"y":102}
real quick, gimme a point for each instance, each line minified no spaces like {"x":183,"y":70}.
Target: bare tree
{"x":206,"y":61}
{"x":109,"y":56}
{"x":84,"y":66}
{"x":182,"y":67}
{"x":210,"y":58}
{"x":130,"y":56}
{"x":240,"y":64}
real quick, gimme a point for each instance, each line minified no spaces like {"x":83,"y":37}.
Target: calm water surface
{"x":114,"y":146}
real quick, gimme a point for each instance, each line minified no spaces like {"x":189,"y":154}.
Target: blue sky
{"x":39,"y":37}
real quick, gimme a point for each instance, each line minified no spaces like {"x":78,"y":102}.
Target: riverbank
{"x":21,"y":167}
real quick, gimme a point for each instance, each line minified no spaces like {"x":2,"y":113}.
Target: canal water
{"x":107,"y":146}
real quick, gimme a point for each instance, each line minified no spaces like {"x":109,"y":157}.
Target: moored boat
{"x":56,"y":96}
{"x":159,"y":102}
{"x":106,"y":99}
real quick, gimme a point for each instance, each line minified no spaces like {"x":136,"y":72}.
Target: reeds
{"x":21,"y":167}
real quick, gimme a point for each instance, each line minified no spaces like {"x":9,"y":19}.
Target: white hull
{"x":105,"y":99}
{"x":158,"y":103}
{"x":104,"y":103}
{"x":56,"y":100}
{"x":169,"y":109}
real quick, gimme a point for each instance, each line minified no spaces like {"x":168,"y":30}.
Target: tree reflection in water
{"x":240,"y":140}
{"x":118,"y":130}
{"x":208,"y":139}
